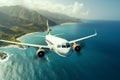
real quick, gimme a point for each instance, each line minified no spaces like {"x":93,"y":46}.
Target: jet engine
{"x":40,"y":53}
{"x":76,"y":47}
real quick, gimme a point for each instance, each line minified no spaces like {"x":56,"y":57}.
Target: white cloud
{"x":75,"y":10}
{"x":9,"y":2}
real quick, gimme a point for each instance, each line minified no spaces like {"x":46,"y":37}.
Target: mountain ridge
{"x":18,"y":20}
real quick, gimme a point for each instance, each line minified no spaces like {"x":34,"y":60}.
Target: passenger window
{"x":63,"y":46}
{"x":68,"y":45}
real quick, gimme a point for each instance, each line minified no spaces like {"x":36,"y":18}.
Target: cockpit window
{"x":67,"y":45}
{"x":63,"y":46}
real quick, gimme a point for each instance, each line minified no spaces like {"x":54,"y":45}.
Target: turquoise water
{"x":99,"y":58}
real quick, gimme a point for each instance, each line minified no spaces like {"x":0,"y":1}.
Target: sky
{"x":84,"y":9}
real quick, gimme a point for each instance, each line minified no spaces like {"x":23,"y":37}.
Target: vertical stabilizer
{"x":48,"y":29}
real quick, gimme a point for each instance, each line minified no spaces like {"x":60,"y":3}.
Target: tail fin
{"x":48,"y":29}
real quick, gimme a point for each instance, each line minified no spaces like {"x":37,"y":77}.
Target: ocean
{"x":99,"y":58}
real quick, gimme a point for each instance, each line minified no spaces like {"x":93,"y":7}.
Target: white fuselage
{"x":59,"y":45}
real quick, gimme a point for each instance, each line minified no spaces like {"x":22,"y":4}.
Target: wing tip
{"x":95,"y":32}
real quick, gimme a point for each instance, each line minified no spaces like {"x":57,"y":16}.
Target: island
{"x":18,"y":20}
{"x":3,"y":56}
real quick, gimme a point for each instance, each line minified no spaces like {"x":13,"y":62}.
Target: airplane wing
{"x":81,"y":39}
{"x":26,"y":44}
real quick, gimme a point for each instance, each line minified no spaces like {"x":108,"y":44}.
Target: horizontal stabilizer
{"x":58,"y":34}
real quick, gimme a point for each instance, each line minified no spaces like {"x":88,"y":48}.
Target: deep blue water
{"x":99,"y":58}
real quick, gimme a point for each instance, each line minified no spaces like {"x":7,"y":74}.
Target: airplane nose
{"x":64,"y":52}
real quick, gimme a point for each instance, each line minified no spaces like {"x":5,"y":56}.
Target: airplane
{"x":59,"y":45}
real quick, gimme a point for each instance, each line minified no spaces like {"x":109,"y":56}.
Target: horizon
{"x":83,"y":9}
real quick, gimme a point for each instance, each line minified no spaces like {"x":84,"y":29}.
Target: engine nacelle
{"x":40,"y":53}
{"x":76,"y":47}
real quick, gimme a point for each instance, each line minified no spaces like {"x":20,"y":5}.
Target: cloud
{"x":75,"y":10}
{"x":9,"y":2}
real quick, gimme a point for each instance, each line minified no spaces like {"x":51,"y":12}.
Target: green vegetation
{"x":17,"y":20}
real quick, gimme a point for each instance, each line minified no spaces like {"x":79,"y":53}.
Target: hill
{"x":57,"y":17}
{"x":25,"y":17}
{"x":17,"y":20}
